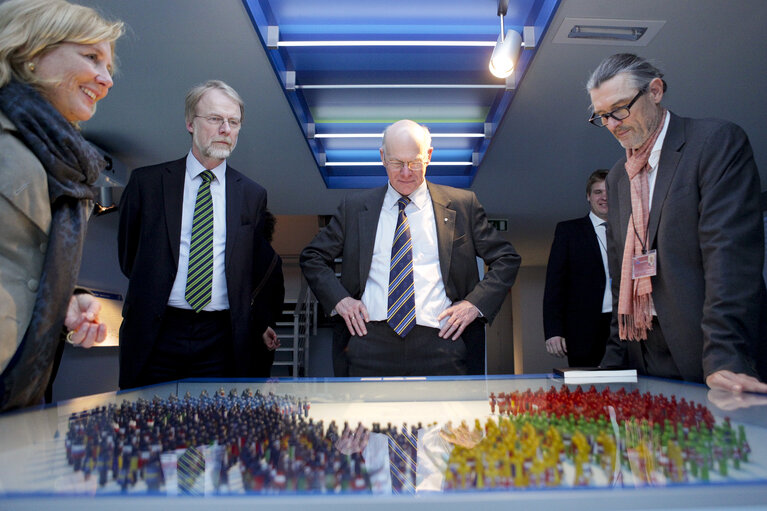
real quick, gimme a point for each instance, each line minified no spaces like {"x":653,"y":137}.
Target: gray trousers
{"x":654,"y":357}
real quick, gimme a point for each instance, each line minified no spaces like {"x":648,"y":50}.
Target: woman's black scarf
{"x":72,"y":165}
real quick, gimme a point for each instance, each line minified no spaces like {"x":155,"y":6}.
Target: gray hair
{"x":196,"y":93}
{"x":640,"y":71}
{"x":425,"y":142}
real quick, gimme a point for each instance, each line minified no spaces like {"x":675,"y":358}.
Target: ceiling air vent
{"x":607,"y":31}
{"x":612,"y":33}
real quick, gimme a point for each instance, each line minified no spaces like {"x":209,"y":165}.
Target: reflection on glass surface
{"x":726,"y":400}
{"x":399,"y":436}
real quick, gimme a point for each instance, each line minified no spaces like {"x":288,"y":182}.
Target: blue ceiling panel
{"x":350,"y":68}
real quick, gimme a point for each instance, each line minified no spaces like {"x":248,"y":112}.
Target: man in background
{"x":577,"y":301}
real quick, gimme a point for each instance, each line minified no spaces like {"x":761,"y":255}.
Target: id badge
{"x":645,"y":265}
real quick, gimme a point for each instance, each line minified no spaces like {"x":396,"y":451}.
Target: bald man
{"x":434,"y":233}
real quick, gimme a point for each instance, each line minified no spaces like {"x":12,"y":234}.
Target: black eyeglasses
{"x":618,"y":114}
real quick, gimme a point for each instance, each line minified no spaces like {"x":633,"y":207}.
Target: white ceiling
{"x":713,"y":53}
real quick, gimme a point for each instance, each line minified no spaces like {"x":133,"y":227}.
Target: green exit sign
{"x":500,"y":224}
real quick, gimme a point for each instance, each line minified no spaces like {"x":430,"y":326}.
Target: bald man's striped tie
{"x":199,"y":278}
{"x":401,"y":311}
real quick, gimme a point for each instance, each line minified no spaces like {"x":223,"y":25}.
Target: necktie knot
{"x":402,"y":202}
{"x":207,"y":176}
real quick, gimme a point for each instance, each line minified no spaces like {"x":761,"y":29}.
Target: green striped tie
{"x":199,"y":278}
{"x":191,"y":470}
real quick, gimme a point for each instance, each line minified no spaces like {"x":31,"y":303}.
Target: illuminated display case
{"x":515,"y":442}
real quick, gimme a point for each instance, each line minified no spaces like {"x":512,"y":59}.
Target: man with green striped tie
{"x":190,"y":238}
{"x":410,"y":294}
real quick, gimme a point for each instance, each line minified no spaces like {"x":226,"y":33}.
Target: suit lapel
{"x":444,"y":217}
{"x":669,"y":159}
{"x":368,"y":224}
{"x":624,"y":198}
{"x":173,"y":200}
{"x":590,"y":236}
{"x":234,"y":198}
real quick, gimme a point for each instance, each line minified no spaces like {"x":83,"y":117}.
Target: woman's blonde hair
{"x":29,"y":28}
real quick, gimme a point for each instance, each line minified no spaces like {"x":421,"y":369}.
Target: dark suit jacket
{"x":148,"y":246}
{"x":463,"y":234}
{"x":575,"y":288}
{"x":266,"y":301}
{"x":706,"y":225}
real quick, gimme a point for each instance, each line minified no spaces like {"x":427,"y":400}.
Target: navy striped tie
{"x":401,"y":303}
{"x":403,"y":457}
{"x":199,"y":279}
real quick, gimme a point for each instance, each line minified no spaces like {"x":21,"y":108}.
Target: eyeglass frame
{"x":211,"y":120}
{"x":606,"y":117}
{"x":406,"y":163}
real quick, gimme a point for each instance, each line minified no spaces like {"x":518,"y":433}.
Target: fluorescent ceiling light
{"x":378,"y":163}
{"x":402,"y":86}
{"x":386,"y":43}
{"x":379,"y":135}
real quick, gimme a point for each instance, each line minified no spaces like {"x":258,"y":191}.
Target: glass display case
{"x":511,"y":442}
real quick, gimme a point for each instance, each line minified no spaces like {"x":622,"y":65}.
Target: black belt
{"x":191,"y":314}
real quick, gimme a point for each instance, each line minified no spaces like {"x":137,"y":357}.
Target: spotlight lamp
{"x":505,"y":54}
{"x":506,"y":51}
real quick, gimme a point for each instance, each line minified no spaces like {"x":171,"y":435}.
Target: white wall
{"x":530,"y":356}
{"x":500,"y":340}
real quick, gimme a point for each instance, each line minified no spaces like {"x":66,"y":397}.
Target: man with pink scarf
{"x":685,"y":237}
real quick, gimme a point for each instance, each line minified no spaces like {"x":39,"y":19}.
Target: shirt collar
{"x":419,"y":198}
{"x":595,"y":219}
{"x":194,"y":168}
{"x":655,"y":153}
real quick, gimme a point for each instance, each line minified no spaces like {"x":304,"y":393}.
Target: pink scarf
{"x":635,"y":295}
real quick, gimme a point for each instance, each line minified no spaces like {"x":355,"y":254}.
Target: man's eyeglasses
{"x":396,"y":165}
{"x":218,"y":121}
{"x":618,"y":114}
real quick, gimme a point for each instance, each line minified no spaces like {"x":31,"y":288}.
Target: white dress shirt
{"x":655,"y":157}
{"x":430,"y":296}
{"x":600,"y":228}
{"x":192,"y":181}
{"x":652,"y":174}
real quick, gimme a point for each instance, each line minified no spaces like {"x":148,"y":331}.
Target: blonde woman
{"x":56,"y":62}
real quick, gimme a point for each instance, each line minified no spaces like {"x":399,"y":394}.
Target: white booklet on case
{"x":595,"y":375}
